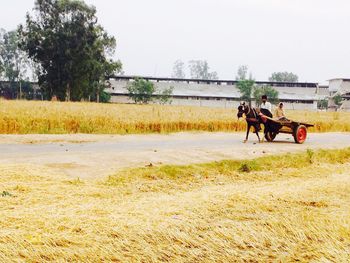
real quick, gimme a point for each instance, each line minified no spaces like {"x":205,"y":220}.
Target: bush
{"x":141,"y":91}
{"x":247,"y":167}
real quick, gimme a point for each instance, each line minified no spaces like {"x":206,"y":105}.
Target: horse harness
{"x":252,"y":119}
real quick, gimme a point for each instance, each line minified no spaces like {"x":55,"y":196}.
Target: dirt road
{"x":95,"y":156}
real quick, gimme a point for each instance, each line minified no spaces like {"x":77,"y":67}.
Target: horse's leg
{"x":257,"y":132}
{"x":263,"y":138}
{"x":248,"y":129}
{"x":266,"y":129}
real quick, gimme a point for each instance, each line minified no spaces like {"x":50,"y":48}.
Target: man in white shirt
{"x":266,"y":107}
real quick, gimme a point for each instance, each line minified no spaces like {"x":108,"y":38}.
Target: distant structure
{"x":213,"y":93}
{"x":339,"y":87}
{"x":221,"y":93}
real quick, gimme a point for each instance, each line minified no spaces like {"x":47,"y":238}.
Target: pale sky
{"x":308,"y":37}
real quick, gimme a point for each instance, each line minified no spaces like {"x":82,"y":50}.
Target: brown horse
{"x":252,"y":118}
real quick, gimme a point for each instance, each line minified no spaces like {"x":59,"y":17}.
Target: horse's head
{"x":242,"y":109}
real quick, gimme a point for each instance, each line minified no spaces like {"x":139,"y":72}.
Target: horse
{"x":252,"y":118}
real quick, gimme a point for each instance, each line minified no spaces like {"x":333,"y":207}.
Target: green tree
{"x":144,"y":91}
{"x":322,"y":104}
{"x":13,"y":61}
{"x":141,"y":91}
{"x":338,"y":100}
{"x":199,"y":69}
{"x":103,"y":96}
{"x":165,"y":95}
{"x":74,"y":52}
{"x":270,"y":92}
{"x":284,"y":77}
{"x":246,"y":88}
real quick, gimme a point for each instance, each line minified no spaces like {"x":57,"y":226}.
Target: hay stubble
{"x":210,"y":212}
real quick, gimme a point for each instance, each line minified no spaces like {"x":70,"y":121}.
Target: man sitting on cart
{"x":266,"y":107}
{"x":265,"y":110}
{"x":280,"y":115}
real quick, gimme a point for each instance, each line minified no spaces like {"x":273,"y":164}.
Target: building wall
{"x":339,"y":87}
{"x":220,"y":96}
{"x":345,"y":106}
{"x":120,"y":99}
{"x":300,"y":106}
{"x":334,"y":85}
{"x":218,"y":103}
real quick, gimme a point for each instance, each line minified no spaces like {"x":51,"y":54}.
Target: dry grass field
{"x":28,"y":117}
{"x":294,"y":207}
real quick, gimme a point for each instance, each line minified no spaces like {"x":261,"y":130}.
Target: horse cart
{"x":274,"y":127}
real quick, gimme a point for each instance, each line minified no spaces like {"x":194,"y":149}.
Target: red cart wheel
{"x":300,"y":134}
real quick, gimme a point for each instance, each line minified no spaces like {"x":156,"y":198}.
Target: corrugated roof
{"x":218,"y":81}
{"x":219,"y":91}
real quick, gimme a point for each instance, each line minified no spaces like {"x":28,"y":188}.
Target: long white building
{"x":220,"y":93}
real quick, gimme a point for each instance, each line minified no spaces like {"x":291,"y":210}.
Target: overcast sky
{"x":308,"y":37}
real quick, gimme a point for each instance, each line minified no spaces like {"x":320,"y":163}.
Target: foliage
{"x":13,"y":62}
{"x":245,"y":85}
{"x":284,"y":77}
{"x":247,"y":167}
{"x":141,"y":91}
{"x":322,"y":104}
{"x":271,"y":93}
{"x":165,"y":96}
{"x":144,"y":91}
{"x":103,"y":97}
{"x":179,"y":70}
{"x":246,"y":88}
{"x":337,"y":100}
{"x":74,"y":52}
{"x":5,"y":194}
{"x":310,"y":155}
{"x":199,"y":69}
{"x":12,"y":59}
{"x":242,"y":73}
{"x":232,"y":167}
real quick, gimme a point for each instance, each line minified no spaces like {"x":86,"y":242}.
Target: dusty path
{"x":93,"y":156}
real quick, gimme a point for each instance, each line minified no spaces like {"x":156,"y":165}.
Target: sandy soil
{"x":95,"y":156}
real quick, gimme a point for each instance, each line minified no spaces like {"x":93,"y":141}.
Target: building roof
{"x":194,"y":89}
{"x":343,"y":79}
{"x":218,"y":82}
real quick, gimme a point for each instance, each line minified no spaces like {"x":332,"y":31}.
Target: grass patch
{"x":6,"y":194}
{"x":238,"y":169}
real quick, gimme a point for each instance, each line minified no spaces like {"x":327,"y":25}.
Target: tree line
{"x":66,"y":49}
{"x":144,"y":91}
{"x":62,"y":46}
{"x":252,"y":92}
{"x":199,"y":69}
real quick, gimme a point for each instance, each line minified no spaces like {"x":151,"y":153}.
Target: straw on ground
{"x":282,"y":208}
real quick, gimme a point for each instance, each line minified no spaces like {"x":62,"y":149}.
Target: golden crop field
{"x":288,"y":208}
{"x":28,"y":117}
